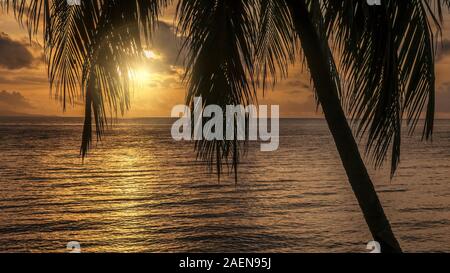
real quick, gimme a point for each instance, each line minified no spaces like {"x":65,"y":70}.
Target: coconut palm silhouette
{"x":385,"y":58}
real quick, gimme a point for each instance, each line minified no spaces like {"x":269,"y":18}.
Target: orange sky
{"x":24,"y":87}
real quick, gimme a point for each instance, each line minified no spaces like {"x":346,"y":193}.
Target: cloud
{"x":443,"y":49}
{"x":14,"y":54}
{"x":167,"y":45}
{"x":443,"y":98}
{"x":14,"y":78}
{"x":167,"y":42}
{"x":13,"y":101}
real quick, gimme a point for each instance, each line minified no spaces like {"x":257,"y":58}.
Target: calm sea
{"x":140,"y":191}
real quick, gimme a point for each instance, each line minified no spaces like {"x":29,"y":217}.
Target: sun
{"x":149,"y":54}
{"x":152,"y":55}
{"x":140,"y":76}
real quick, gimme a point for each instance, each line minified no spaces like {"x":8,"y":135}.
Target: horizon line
{"x":159,"y":117}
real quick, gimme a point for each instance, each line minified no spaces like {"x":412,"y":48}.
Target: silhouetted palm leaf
{"x":386,"y":56}
{"x":234,"y":47}
{"x":387,"y":60}
{"x":90,"y":50}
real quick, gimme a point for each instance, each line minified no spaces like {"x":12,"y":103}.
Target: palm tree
{"x":388,"y":58}
{"x":234,"y":48}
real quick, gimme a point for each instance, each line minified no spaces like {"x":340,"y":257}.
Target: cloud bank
{"x":14,"y":54}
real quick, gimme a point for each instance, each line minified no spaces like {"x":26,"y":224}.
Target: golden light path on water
{"x":141,"y":191}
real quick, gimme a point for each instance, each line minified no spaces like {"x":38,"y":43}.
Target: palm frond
{"x":276,"y":41}
{"x":234,"y":48}
{"x":90,"y":50}
{"x":387,"y":61}
{"x":219,"y":66}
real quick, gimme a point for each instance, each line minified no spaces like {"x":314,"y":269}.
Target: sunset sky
{"x":24,"y":87}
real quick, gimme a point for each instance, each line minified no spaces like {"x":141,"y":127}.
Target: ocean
{"x":140,"y":191}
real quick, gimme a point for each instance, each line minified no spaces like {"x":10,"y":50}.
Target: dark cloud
{"x":13,"y":100}
{"x":443,"y":98}
{"x":443,"y":49}
{"x":14,"y":54}
{"x":298,"y":84}
{"x":167,"y":42}
{"x":23,"y":79}
{"x":167,"y":45}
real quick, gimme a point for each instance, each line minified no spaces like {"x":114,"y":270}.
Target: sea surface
{"x":140,"y":191}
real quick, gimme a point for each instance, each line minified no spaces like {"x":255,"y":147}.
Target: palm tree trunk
{"x":327,"y":94}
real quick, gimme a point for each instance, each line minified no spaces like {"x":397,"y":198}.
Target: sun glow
{"x":140,"y":76}
{"x":151,"y":55}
